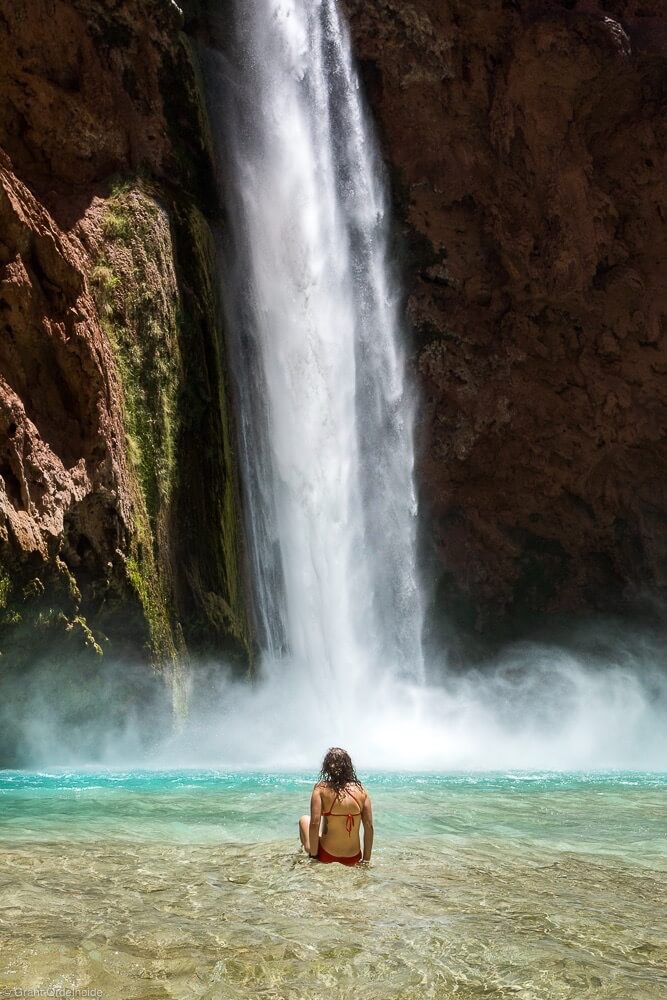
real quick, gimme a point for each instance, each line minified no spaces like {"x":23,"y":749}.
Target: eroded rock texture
{"x":528,"y":148}
{"x":527,"y":145}
{"x":118,"y":523}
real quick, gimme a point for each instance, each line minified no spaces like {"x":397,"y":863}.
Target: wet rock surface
{"x":104,"y":547}
{"x":527,"y":148}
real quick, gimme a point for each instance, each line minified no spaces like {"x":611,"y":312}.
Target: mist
{"x":535,"y":707}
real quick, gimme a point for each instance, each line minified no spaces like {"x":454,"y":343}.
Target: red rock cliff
{"x":118,"y":530}
{"x":528,"y":148}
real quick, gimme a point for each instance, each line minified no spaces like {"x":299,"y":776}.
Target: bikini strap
{"x":355,"y":798}
{"x":330,"y":813}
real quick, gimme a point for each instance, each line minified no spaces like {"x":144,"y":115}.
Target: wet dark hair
{"x":338,"y":770}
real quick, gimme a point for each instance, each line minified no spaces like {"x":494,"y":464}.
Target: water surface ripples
{"x":184,"y":884}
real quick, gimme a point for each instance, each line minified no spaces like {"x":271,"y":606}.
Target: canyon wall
{"x":119,"y":530}
{"x":527,"y":145}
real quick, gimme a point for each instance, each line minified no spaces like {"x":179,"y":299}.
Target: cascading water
{"x":326,"y":419}
{"x":325,"y":428}
{"x":325,"y":423}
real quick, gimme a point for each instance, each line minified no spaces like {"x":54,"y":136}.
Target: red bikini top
{"x":349,"y":817}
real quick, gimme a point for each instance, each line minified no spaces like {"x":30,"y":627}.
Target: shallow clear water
{"x":191,"y":884}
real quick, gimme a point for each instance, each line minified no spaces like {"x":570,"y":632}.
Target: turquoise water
{"x":191,"y":883}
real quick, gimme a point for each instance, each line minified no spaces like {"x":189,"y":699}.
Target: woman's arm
{"x":315,"y":817}
{"x":367,"y":820}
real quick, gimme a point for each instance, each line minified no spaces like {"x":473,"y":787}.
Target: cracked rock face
{"x":527,"y":146}
{"x":61,"y":437}
{"x":527,"y":143}
{"x":80,"y":103}
{"x":115,"y":533}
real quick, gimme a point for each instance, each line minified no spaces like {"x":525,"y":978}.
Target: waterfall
{"x":325,"y":417}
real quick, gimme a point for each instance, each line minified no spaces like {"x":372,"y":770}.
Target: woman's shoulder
{"x":356,"y":790}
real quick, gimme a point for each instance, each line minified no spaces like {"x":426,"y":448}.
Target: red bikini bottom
{"x":324,"y":856}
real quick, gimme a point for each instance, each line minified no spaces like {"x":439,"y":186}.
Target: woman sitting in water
{"x":340,"y":803}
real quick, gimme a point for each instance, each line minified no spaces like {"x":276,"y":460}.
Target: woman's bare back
{"x":341,"y":819}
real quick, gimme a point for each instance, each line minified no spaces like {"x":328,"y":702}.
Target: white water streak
{"x":327,"y":449}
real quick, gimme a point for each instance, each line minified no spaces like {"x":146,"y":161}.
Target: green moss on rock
{"x":216,"y":616}
{"x":5,"y":587}
{"x":154,"y":283}
{"x":155,"y":603}
{"x":137,"y":295}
